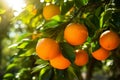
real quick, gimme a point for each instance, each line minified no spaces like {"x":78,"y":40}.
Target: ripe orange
{"x":81,"y":58}
{"x":60,"y":62}
{"x":75,"y":34}
{"x":50,"y":10}
{"x":109,"y":40}
{"x":101,"y":54}
{"x":47,"y":49}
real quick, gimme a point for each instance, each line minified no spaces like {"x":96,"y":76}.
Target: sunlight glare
{"x":16,"y":5}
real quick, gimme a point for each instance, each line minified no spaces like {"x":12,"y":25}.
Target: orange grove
{"x":47,"y":48}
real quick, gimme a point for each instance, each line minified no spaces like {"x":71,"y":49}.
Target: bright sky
{"x":16,"y":5}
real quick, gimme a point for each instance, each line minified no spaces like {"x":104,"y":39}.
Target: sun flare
{"x":16,"y":5}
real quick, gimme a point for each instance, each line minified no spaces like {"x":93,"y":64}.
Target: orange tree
{"x":55,"y":29}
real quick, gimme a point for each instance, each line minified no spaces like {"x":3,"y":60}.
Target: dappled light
{"x":59,"y":39}
{"x":16,"y":5}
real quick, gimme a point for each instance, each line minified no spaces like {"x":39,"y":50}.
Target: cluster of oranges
{"x":48,"y":49}
{"x":108,"y":41}
{"x":75,"y":34}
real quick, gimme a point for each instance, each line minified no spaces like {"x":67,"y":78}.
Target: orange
{"x":34,"y":11}
{"x":75,"y":33}
{"x":60,"y":62}
{"x":81,"y":58}
{"x":101,"y":54}
{"x":47,"y":48}
{"x":50,"y":10}
{"x":109,"y":40}
{"x":35,"y":36}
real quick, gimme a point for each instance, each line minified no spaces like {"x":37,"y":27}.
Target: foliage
{"x":97,"y":15}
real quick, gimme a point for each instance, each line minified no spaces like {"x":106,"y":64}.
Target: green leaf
{"x":21,"y":51}
{"x":46,"y":73}
{"x":75,"y":71}
{"x":24,"y":74}
{"x":34,"y":21}
{"x":98,"y":11}
{"x":92,"y":23}
{"x":8,"y":76}
{"x":40,"y":61}
{"x":51,"y":24}
{"x":95,"y":46}
{"x":23,"y":36}
{"x":68,"y":51}
{"x":11,"y":66}
{"x":71,"y":74}
{"x":22,"y":45}
{"x":84,"y":2}
{"x":58,"y":18}
{"x":105,"y":16}
{"x":39,"y":67}
{"x":28,"y":52}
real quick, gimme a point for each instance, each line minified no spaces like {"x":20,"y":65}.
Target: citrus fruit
{"x":50,"y":10}
{"x":75,"y":34}
{"x":60,"y":62}
{"x":101,"y":54}
{"x":35,"y":36}
{"x":109,"y":40}
{"x":81,"y":58}
{"x":34,"y":11}
{"x":47,"y":48}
